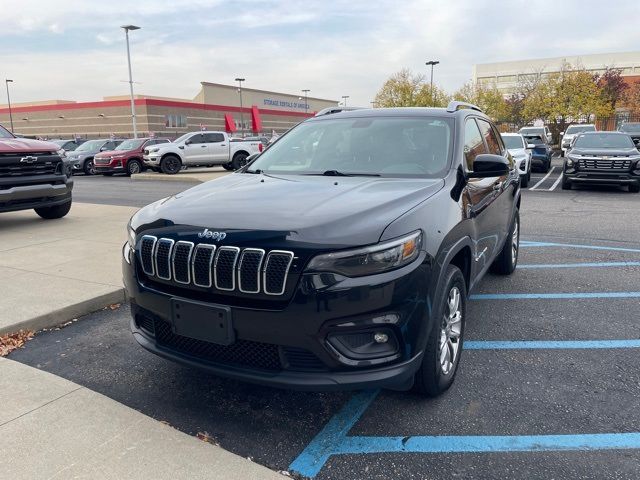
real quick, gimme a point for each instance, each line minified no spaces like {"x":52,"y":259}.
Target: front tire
{"x":239,"y":160}
{"x":634,"y":188}
{"x":88,"y":167}
{"x":507,"y":260}
{"x":444,"y":346}
{"x":566,"y":184}
{"x":57,"y":211}
{"x":228,"y":166}
{"x":170,"y":165}
{"x":133,"y":167}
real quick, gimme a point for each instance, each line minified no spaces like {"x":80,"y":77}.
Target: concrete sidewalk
{"x":191,"y":175}
{"x":51,"y":428}
{"x":52,"y":271}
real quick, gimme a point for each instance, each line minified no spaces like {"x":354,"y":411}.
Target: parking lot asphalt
{"x":548,"y":386}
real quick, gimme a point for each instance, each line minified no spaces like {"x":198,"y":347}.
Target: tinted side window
{"x":213,"y":137}
{"x":503,"y":149}
{"x":473,"y":144}
{"x":490,"y":137}
{"x":199,"y":138}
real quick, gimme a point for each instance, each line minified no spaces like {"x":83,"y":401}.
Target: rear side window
{"x":213,"y":137}
{"x":473,"y":144}
{"x":493,"y":144}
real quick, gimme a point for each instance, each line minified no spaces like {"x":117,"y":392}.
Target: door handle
{"x":203,"y":146}
{"x":222,"y":145}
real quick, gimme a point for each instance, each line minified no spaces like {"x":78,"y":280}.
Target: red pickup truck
{"x":34,"y":175}
{"x":126,"y":158}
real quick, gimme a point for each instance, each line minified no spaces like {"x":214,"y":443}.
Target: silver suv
{"x":82,"y":157}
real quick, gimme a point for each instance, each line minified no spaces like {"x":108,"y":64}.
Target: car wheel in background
{"x":57,"y":211}
{"x":507,"y":260}
{"x":227,"y":166}
{"x":566,"y":184}
{"x":133,"y":167}
{"x":634,"y":188}
{"x":170,"y":165}
{"x":444,"y":346}
{"x":239,"y":160}
{"x":88,"y":167}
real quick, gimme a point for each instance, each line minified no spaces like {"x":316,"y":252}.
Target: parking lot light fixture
{"x":432,"y":63}
{"x":306,"y":96}
{"x":127,"y":28}
{"x":7,"y":82}
{"x":240,"y":80}
{"x":344,"y":100}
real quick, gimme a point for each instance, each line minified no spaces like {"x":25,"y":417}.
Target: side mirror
{"x":187,"y":142}
{"x":488,"y":165}
{"x":531,"y":146}
{"x":561,"y":134}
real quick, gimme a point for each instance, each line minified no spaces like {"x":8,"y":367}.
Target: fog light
{"x":380,"y":337}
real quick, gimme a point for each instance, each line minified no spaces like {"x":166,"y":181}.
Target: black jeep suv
{"x":341,"y":257}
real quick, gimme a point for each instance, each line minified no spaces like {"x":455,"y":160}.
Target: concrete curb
{"x":143,"y":177}
{"x":62,"y":315}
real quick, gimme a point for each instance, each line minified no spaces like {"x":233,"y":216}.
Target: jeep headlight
{"x":128,"y":247}
{"x":369,"y":260}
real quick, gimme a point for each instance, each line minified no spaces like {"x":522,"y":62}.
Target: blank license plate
{"x":202,"y":321}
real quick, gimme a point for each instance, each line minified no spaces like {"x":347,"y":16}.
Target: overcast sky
{"x":74,"y":49}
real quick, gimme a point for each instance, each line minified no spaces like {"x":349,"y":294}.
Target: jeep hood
{"x":26,"y":145}
{"x":311,"y":211}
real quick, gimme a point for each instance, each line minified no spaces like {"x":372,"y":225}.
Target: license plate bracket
{"x":202,"y":321}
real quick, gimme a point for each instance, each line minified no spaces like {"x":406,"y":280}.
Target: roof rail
{"x":331,"y":110}
{"x":454,"y":106}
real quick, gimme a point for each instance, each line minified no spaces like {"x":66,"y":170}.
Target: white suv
{"x":571,"y":132}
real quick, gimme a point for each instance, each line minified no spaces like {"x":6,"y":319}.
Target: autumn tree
{"x":405,"y":89}
{"x":612,"y":86}
{"x":490,"y":100}
{"x":632,"y":98}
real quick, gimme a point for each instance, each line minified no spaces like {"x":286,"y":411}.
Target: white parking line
{"x":543,"y":179}
{"x":555,"y":184}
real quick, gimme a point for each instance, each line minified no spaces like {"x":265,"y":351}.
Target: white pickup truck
{"x":200,"y":149}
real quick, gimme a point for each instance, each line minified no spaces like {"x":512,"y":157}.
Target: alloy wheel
{"x":515,"y":241}
{"x":450,"y":332}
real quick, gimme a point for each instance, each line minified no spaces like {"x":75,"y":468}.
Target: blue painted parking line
{"x":528,"y":296}
{"x":580,"y":265}
{"x":526,"y":244}
{"x":499,"y":443}
{"x":548,"y":344}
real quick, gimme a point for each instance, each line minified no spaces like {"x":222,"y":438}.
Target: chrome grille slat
{"x":225,"y":268}
{"x":163,"y":258}
{"x":201,"y":263}
{"x":147,"y":248}
{"x":181,"y":261}
{"x":275,"y":272}
{"x":249,"y":270}
{"x":619,"y":163}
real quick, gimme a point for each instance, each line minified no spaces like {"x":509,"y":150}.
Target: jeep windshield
{"x":368,"y":146}
{"x":4,"y":133}
{"x":604,"y":141}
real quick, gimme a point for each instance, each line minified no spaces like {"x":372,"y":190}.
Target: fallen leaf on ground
{"x":12,"y":341}
{"x":114,"y":306}
{"x":205,"y":437}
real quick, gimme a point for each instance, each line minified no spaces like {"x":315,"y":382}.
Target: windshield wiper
{"x":337,"y":173}
{"x":257,"y":171}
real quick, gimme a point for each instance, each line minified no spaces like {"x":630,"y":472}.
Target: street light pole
{"x":344,"y":100}
{"x":306,"y":95}
{"x":133,"y":104}
{"x":7,"y":82}
{"x":240,"y":80}
{"x":432,"y":63}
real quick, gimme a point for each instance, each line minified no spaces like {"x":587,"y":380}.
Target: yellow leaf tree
{"x":405,"y":89}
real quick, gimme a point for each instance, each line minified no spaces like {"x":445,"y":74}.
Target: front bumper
{"x":114,"y":166}
{"x":602,"y":177}
{"x":151,"y":159}
{"x":396,"y":300}
{"x":33,"y":192}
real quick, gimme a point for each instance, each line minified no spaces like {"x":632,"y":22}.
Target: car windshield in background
{"x":535,"y":140}
{"x":4,"y":133}
{"x":130,"y":144}
{"x":182,"y":138}
{"x":90,"y":146}
{"x":630,"y":127}
{"x":531,"y":130}
{"x":604,"y":140}
{"x":60,"y":142}
{"x":397,"y":146}
{"x":512,"y":141}
{"x":573,"y":129}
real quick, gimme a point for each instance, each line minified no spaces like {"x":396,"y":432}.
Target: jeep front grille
{"x":225,"y":268}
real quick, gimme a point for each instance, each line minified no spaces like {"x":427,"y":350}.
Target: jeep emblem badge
{"x":217,"y":236}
